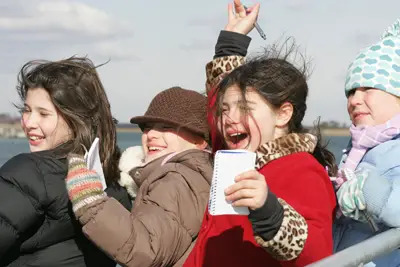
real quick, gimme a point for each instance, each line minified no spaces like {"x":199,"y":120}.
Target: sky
{"x":154,"y":45}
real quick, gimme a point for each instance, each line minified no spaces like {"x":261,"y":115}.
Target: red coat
{"x":228,"y":240}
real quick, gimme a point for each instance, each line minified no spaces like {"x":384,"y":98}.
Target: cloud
{"x":116,"y":51}
{"x":63,"y":28}
{"x":51,"y":20}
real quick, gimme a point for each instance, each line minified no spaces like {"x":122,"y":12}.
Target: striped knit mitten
{"x":83,"y":185}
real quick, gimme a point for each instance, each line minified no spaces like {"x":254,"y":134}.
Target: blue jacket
{"x":382,"y":196}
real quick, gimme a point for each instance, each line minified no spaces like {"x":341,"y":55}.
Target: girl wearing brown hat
{"x":171,"y":183}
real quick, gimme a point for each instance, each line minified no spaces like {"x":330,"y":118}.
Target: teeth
{"x":236,"y":134}
{"x":34,"y":138}
{"x":152,"y":148}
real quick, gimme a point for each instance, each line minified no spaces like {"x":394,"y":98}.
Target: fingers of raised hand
{"x":254,"y":10}
{"x":231,"y":13}
{"x":239,"y":8}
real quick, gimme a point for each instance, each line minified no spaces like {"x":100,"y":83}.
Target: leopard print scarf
{"x":283,"y":146}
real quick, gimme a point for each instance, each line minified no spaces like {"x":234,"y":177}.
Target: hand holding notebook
{"x":93,"y":161}
{"x":228,"y":164}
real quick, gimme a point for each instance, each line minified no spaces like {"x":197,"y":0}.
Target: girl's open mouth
{"x":237,"y":140}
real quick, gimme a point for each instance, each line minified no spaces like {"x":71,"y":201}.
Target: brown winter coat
{"x":166,"y":217}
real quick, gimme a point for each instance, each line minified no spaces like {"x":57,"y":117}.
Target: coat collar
{"x":59,"y":152}
{"x":283,"y":146}
{"x":192,"y":158}
{"x":134,"y":171}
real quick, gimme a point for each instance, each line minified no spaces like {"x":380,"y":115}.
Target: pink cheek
{"x":23,"y":122}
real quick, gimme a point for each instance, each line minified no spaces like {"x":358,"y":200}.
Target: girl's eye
{"x":244,"y":107}
{"x":24,"y":109}
{"x":250,"y":108}
{"x":166,"y":128}
{"x":145,"y":129}
{"x":221,"y":112}
{"x":351,"y":92}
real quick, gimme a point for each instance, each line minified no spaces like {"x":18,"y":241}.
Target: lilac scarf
{"x":366,"y":137}
{"x":362,"y":139}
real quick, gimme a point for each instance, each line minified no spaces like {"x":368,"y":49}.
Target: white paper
{"x":93,"y":161}
{"x":227,"y":165}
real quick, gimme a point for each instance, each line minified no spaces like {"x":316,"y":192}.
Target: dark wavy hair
{"x":277,"y":80}
{"x":77,"y":93}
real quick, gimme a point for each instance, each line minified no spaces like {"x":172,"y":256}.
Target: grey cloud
{"x":16,"y":7}
{"x":63,"y":28}
{"x":116,"y":51}
{"x":53,"y":19}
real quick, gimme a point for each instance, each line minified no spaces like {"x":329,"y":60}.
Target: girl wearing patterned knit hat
{"x":369,"y":174}
{"x":170,"y":176}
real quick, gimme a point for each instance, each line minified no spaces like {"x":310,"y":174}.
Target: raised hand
{"x":83,"y":185}
{"x":250,"y":190}
{"x":241,"y":20}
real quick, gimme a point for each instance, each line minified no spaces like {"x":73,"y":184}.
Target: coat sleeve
{"x":230,"y":51}
{"x":308,"y":199}
{"x":154,"y":233}
{"x":382,"y":187}
{"x":20,"y":188}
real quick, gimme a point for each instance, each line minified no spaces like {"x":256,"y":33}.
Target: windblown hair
{"x":277,"y":80}
{"x":77,"y":93}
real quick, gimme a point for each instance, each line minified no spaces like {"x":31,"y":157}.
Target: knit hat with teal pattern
{"x":378,"y":66}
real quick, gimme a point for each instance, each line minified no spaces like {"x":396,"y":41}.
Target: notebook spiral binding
{"x":214,"y":188}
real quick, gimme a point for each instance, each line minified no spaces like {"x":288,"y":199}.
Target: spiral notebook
{"x":227,"y":165}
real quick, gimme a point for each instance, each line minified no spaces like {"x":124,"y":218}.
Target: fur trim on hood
{"x":131,"y":158}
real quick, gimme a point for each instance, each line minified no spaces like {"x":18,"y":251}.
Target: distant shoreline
{"x":129,"y":130}
{"x":335,"y":132}
{"x":324,"y":131}
{"x":13,"y":130}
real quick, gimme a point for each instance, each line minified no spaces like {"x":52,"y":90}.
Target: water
{"x":336,"y":144}
{"x":12,"y":147}
{"x":126,"y":140}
